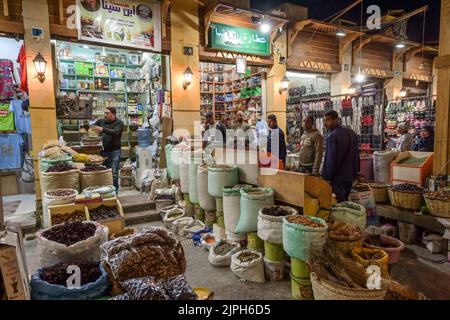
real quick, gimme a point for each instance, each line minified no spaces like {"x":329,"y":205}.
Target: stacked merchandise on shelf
{"x":417,"y":111}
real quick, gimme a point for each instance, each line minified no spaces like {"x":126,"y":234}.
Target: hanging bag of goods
{"x":95,"y":175}
{"x":220,"y":253}
{"x":206,"y":201}
{"x":251,"y":201}
{"x":350,"y":212}
{"x":302,"y":235}
{"x":70,"y":241}
{"x":50,"y":283}
{"x":270,"y":222}
{"x":221,"y":176}
{"x":193,"y":185}
{"x":60,"y":176}
{"x":232,"y":206}
{"x":248,"y":265}
{"x":54,"y":198}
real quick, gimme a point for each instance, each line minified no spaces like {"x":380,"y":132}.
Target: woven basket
{"x":325,"y":290}
{"x":438,"y":208}
{"x":346,"y":246}
{"x":405,"y":292}
{"x":406,"y":200}
{"x":380,"y":193}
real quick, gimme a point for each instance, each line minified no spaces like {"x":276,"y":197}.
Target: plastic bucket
{"x":394,"y":253}
{"x":273,"y":252}
{"x":274,"y":270}
{"x":299,"y":268}
{"x":254,"y":242}
{"x":219,"y":204}
{"x":221,"y":221}
{"x":301,"y":288}
{"x":236,"y":237}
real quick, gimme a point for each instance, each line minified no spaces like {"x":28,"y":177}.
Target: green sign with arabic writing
{"x":237,"y":39}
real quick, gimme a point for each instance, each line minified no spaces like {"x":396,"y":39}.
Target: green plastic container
{"x":221,"y":221}
{"x":301,"y":288}
{"x":273,"y":252}
{"x":254,"y":242}
{"x":219,"y":204}
{"x":299,"y":268}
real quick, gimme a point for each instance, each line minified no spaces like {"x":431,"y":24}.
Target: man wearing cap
{"x":406,"y":140}
{"x":275,"y":131}
{"x":111,"y":129}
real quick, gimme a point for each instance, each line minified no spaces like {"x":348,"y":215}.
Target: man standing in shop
{"x":214,"y":136}
{"x":278,"y":149}
{"x":311,"y":148}
{"x":111,"y":129}
{"x":239,"y":122}
{"x":341,"y":164}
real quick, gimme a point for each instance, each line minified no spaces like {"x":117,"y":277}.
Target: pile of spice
{"x":247,"y":256}
{"x":223,"y":248}
{"x":103,"y":212}
{"x":412,"y":161}
{"x":70,"y":232}
{"x":407,"y":187}
{"x":93,"y":168}
{"x":275,"y":211}
{"x":57,"y":274}
{"x":345,"y":232}
{"x":60,"y":167}
{"x":306,"y":221}
{"x":61,"y":193}
{"x":439,"y":195}
{"x":377,"y":184}
{"x":58,"y":218}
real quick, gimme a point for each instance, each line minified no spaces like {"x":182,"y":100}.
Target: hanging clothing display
{"x":22,"y":60}
{"x":6,"y":79}
{"x":6,"y":118}
{"x":21,"y":117}
{"x":10,"y":155}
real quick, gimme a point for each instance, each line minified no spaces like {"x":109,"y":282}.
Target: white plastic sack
{"x":382,"y":165}
{"x":250,"y":271}
{"x":180,"y":223}
{"x":193,"y":227}
{"x":49,"y":201}
{"x":51,"y":252}
{"x":270,"y":228}
{"x":171,"y":216}
{"x":207,"y":246}
{"x":206,"y":201}
{"x":184,"y":177}
{"x":218,"y":260}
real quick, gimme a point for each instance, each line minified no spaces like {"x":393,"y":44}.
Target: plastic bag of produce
{"x":206,"y":201}
{"x":220,"y":177}
{"x":207,"y":241}
{"x":96,"y":178}
{"x":60,"y":180}
{"x":172,"y":216}
{"x":179,"y":224}
{"x":177,"y":288}
{"x":270,"y":222}
{"x":303,"y":235}
{"x":54,"y":198}
{"x":350,"y":212}
{"x":251,"y":201}
{"x":70,"y":241}
{"x":43,"y":290}
{"x":220,"y":253}
{"x":248,"y":265}
{"x":144,"y":289}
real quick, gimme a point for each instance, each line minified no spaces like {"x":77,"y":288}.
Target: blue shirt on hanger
{"x":10,"y":148}
{"x":21,"y":118}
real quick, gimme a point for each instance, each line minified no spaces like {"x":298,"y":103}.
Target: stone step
{"x":141,"y":217}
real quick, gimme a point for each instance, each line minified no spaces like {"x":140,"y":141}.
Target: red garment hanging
{"x":22,"y":59}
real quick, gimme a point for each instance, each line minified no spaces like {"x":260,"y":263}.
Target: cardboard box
{"x":9,"y":184}
{"x":10,"y":272}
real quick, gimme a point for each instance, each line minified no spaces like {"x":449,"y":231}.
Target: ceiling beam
{"x":358,"y":47}
{"x":294,"y":30}
{"x":345,"y":10}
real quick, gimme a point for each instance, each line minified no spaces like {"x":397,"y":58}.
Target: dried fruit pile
{"x":70,"y":232}
{"x":275,"y":211}
{"x":61,"y":193}
{"x":103,"y":212}
{"x":306,"y":221}
{"x":93,"y":168}
{"x":60,"y":167}
{"x":223,"y":248}
{"x":439,"y":195}
{"x":371,"y":256}
{"x":58,"y":218}
{"x":178,"y":289}
{"x":57,"y":274}
{"x":247,"y":256}
{"x":345,"y":232}
{"x":407,"y":187}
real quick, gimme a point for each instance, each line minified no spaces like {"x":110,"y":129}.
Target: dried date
{"x":70,"y":232}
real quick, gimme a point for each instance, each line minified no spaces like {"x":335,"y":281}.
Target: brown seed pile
{"x":57,"y":274}
{"x":407,"y":187}
{"x":70,"y":232}
{"x":60,"y":167}
{"x":61,"y":193}
{"x":58,"y":218}
{"x":223,"y":248}
{"x":103,"y":212}
{"x":93,"y":168}
{"x":345,"y":232}
{"x":247,"y":256}
{"x":306,"y":221}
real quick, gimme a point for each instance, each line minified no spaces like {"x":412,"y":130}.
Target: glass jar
{"x":123,"y":59}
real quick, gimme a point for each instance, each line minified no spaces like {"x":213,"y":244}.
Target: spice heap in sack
{"x":152,"y":252}
{"x":248,"y":265}
{"x":93,"y":168}
{"x":60,"y":167}
{"x":220,"y":253}
{"x":407,"y":187}
{"x":223,"y":248}
{"x":62,"y":193}
{"x":439,"y":195}
{"x":306,"y":221}
{"x":275,"y":211}
{"x":57,"y":274}
{"x":70,"y":233}
{"x":247,"y":256}
{"x":58,"y":218}
{"x":345,"y":231}
{"x":103,"y":212}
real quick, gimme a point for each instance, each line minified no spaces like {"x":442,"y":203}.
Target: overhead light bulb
{"x":400,"y":45}
{"x":360,"y":77}
{"x":403,"y":93}
{"x":341,"y":33}
{"x":265,"y":27}
{"x":351,"y":89}
{"x":421,"y":66}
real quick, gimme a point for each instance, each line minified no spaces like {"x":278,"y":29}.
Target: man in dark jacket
{"x":341,"y":164}
{"x":214,"y":136}
{"x":111,"y":129}
{"x":279,"y":150}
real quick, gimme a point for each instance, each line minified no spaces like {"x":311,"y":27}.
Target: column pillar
{"x":340,"y":82}
{"x":184,"y":32}
{"x":41,"y":95}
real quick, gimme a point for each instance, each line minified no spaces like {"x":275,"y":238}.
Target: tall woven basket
{"x":438,"y":208}
{"x":380,"y":192}
{"x":325,"y":290}
{"x":405,"y":199}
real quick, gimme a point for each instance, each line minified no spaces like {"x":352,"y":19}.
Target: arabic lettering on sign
{"x":113,"y":6}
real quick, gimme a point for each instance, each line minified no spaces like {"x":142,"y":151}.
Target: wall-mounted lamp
{"x":187,"y":77}
{"x":351,"y":89}
{"x":400,"y":45}
{"x":284,"y":84}
{"x":403,"y":93}
{"x":360,"y":77}
{"x":40,"y":64}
